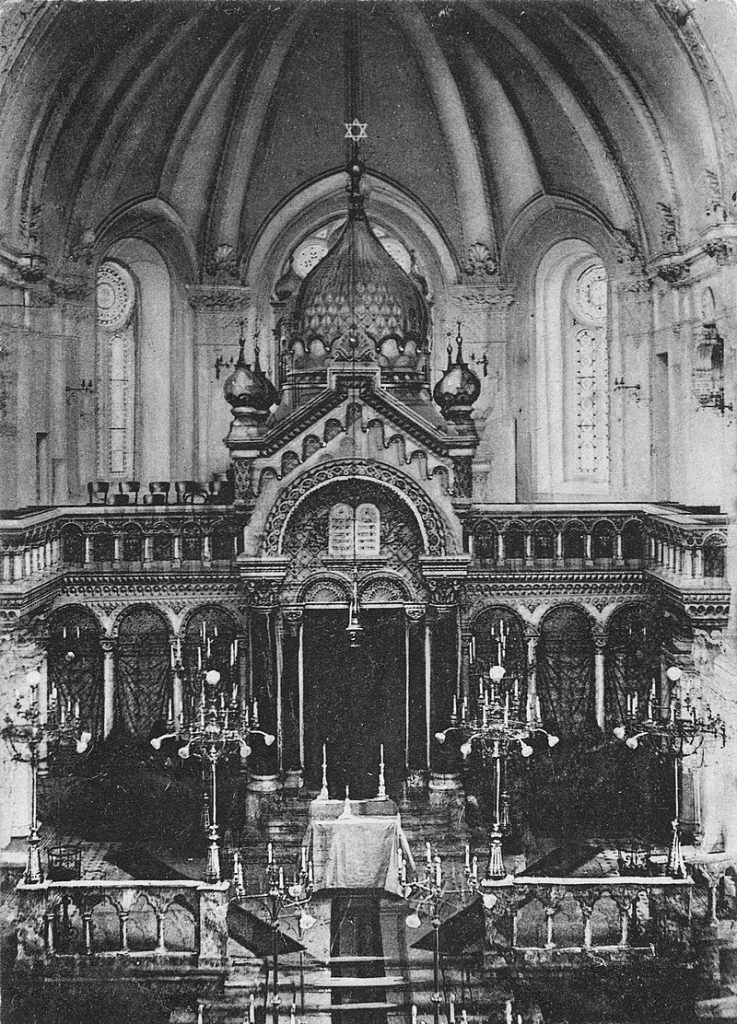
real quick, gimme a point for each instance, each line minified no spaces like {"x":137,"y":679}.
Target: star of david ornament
{"x":355,"y":130}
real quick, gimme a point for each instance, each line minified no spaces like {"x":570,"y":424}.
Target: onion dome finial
{"x":249,"y":391}
{"x":458,"y":388}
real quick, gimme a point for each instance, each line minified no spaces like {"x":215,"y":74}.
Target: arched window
{"x":140,"y":394}
{"x":116,"y":370}
{"x":572,"y":371}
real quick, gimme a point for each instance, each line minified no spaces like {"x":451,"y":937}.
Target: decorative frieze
{"x":219,"y":298}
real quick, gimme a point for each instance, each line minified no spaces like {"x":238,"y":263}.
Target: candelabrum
{"x":496,"y":721}
{"x":281,"y":898}
{"x":216,"y":728}
{"x":426,"y":893}
{"x":675,"y":727}
{"x":28,"y":732}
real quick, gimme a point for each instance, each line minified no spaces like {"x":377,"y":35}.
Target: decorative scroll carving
{"x":479,"y":261}
{"x":223,"y":263}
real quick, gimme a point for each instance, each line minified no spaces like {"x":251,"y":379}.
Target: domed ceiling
{"x":223,"y":111}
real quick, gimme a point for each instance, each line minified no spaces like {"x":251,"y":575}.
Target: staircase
{"x":329,"y":985}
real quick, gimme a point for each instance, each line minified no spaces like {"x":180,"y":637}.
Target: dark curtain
{"x":565,"y":673}
{"x":290,"y":695}
{"x":635,"y":800}
{"x":634,"y":642}
{"x":354,"y":700}
{"x":75,"y":665}
{"x":142,"y":672}
{"x":560,"y":784}
{"x":445,"y":757}
{"x":263,"y":761}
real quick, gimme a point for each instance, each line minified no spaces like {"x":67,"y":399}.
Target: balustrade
{"x":677,"y":543}
{"x":183,"y":921}
{"x":108,"y":538}
{"x":544,"y":917}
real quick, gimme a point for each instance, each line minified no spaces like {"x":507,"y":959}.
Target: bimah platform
{"x":359,"y":850}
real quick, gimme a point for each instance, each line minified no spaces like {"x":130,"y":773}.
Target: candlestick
{"x":270,"y":853}
{"x":467,"y":863}
{"x":428,"y":854}
{"x":252,"y":1009}
{"x":323,"y":794}
{"x":451,"y":1009}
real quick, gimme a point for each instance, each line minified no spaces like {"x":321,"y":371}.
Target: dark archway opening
{"x":354,"y":700}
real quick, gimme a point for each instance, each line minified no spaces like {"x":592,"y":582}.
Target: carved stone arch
{"x":220,"y":609}
{"x":162,"y":613}
{"x":594,"y":623}
{"x":423,"y":510}
{"x":385,"y":588}
{"x":61,"y":611}
{"x":325,"y":588}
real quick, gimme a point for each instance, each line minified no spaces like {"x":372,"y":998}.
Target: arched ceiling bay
{"x":224,"y":110}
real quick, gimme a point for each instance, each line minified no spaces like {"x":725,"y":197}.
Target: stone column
{"x":599,"y":679}
{"x":177,"y":683}
{"x":293,"y":679}
{"x":532,"y":637}
{"x":428,"y":690}
{"x":108,"y":649}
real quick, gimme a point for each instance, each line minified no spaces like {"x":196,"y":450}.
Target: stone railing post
{"x":213,"y":927}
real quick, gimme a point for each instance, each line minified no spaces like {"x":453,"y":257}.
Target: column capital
{"x":108,"y":644}
{"x":414,"y":612}
{"x":600,"y":641}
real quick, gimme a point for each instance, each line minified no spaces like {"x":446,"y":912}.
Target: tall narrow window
{"x":116,"y":370}
{"x":587,"y":316}
{"x":571,"y":408}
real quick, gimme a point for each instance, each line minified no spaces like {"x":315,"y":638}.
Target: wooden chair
{"x":127,"y":493}
{"x":159,"y":492}
{"x":98,"y":492}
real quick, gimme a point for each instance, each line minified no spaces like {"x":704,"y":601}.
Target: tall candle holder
{"x":427,"y":892}
{"x":494,"y":722}
{"x":669,"y":726}
{"x":217,"y":728}
{"x":27,"y":728}
{"x":281,"y":898}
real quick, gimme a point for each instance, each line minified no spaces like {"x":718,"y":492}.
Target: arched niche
{"x":632,"y":665}
{"x":325,"y":530}
{"x":142,"y":671}
{"x":209,"y":643}
{"x":498,"y":638}
{"x":565,"y":675}
{"x":75,"y":666}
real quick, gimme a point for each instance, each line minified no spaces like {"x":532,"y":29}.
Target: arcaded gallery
{"x":367,"y":419}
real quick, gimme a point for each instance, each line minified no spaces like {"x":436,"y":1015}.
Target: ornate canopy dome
{"x":358,"y":303}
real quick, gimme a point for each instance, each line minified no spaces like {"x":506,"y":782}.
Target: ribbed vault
{"x":225,"y":110}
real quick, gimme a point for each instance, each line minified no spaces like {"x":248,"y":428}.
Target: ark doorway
{"x":355,"y":699}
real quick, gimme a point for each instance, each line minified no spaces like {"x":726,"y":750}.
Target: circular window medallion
{"x":589,"y":299}
{"x":116,"y":295}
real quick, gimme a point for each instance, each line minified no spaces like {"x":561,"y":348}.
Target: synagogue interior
{"x":367,"y":530}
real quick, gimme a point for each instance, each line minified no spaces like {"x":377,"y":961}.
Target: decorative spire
{"x":249,"y":391}
{"x":458,"y":388}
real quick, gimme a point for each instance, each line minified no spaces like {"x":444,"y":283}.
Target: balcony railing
{"x":147,"y":922}
{"x":677,"y":544}
{"x":612,"y":918}
{"x":538,"y":920}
